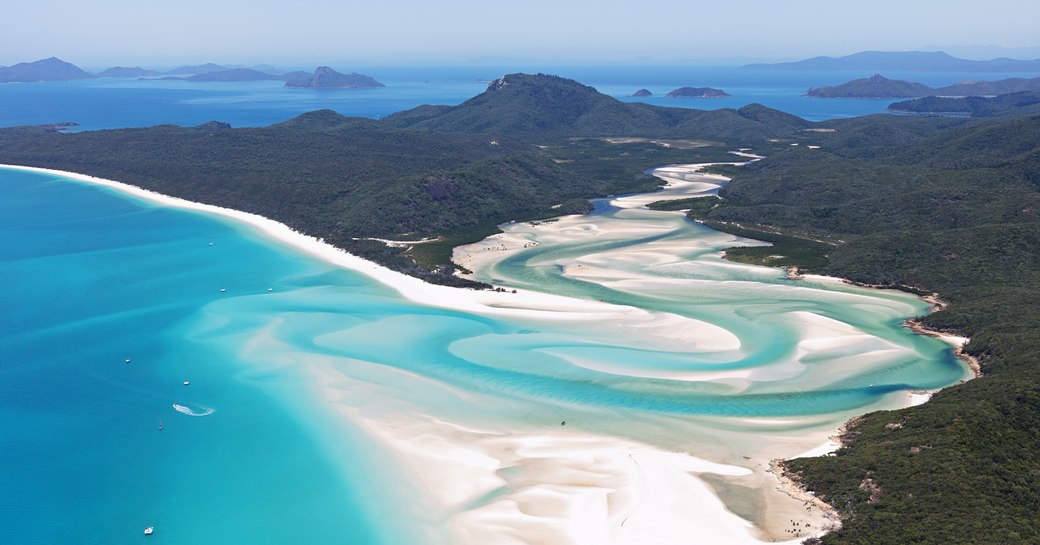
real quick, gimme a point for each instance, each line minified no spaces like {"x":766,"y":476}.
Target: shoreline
{"x":794,"y":488}
{"x":520,"y":304}
{"x":953,"y":338}
{"x":631,"y":467}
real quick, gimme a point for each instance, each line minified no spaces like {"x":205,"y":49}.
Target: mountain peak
{"x":526,"y":105}
{"x":876,"y":86}
{"x":326,"y":119}
{"x":49,"y":69}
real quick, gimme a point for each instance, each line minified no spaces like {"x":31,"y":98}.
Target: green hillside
{"x":540,"y":106}
{"x":1018,"y":103}
{"x":937,"y":205}
{"x":876,"y":86}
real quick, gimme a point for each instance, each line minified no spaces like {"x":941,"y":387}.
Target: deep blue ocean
{"x":125,"y":102}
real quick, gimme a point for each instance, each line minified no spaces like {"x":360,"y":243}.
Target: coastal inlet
{"x":633,"y":390}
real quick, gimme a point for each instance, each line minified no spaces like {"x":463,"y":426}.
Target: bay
{"x":325,"y":398}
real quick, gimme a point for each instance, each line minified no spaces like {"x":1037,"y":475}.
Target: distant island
{"x":1022,"y":103}
{"x":642,"y":93}
{"x":697,"y":92}
{"x":55,"y":69}
{"x":916,"y":61}
{"x":327,"y":78}
{"x":197,"y":69}
{"x":127,"y":72}
{"x":235,"y":74}
{"x":52,"y":69}
{"x":878,"y":86}
{"x":989,"y":88}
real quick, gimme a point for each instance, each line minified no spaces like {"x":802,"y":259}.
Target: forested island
{"x":50,"y":69}
{"x":930,"y":204}
{"x":325,"y":77}
{"x":1012,"y":103}
{"x":697,"y":92}
{"x":878,"y":86}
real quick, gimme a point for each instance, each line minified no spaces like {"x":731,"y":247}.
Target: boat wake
{"x":205,"y":411}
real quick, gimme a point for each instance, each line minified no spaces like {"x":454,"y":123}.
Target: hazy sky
{"x":155,"y":32}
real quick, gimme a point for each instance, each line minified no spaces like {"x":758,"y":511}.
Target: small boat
{"x":160,"y":425}
{"x":187,"y":383}
{"x":149,"y":530}
{"x":222,"y":290}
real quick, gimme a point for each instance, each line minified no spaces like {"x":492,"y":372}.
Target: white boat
{"x":149,"y":530}
{"x":186,"y":383}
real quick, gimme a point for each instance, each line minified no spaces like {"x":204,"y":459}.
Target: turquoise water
{"x":91,"y":278}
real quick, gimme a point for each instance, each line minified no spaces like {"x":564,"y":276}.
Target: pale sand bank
{"x":562,"y":486}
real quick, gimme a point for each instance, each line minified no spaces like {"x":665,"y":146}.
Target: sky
{"x":99,"y":33}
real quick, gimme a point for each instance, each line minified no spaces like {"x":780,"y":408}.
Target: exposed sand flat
{"x":559,"y":487}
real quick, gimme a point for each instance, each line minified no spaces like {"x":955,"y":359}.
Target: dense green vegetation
{"x":946,"y":205}
{"x":697,"y":207}
{"x":989,"y":88}
{"x":547,"y":107}
{"x":976,"y":106}
{"x":349,"y":179}
{"x":878,"y":86}
{"x":785,"y":251}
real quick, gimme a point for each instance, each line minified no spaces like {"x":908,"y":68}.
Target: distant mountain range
{"x":127,"y":72}
{"x":910,"y":61}
{"x":54,"y":69}
{"x":989,"y":88}
{"x":878,"y":86}
{"x":234,"y":74}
